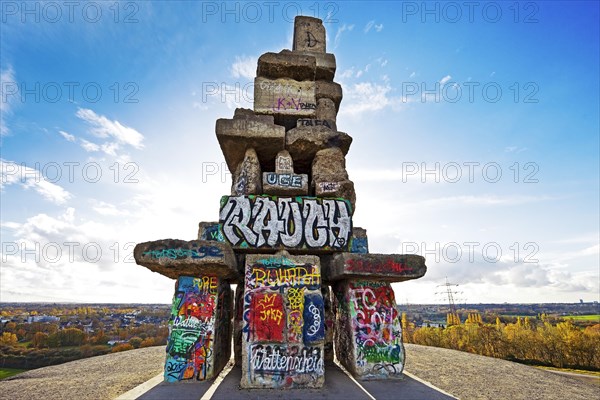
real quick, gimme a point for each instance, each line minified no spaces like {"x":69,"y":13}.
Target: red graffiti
{"x":376,"y":315}
{"x":267,"y":316}
{"x":199,"y":305}
{"x":389,"y":265}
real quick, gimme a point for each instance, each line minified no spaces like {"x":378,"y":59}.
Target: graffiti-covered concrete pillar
{"x":368,"y":335}
{"x":199,"y":343}
{"x":283,"y":318}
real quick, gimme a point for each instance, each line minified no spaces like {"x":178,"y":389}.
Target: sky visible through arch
{"x":475,"y":126}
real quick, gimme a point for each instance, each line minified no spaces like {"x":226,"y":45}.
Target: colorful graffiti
{"x":368,"y":334}
{"x":284,"y":276}
{"x":295,"y":318}
{"x":314,"y":318}
{"x":286,"y":360}
{"x":283,"y":180}
{"x":387,"y":265}
{"x":213,"y":233}
{"x":292,"y":103}
{"x":192,"y":329}
{"x":267,"y":316}
{"x":283,"y":322}
{"x":270,"y":221}
{"x":376,"y":328}
{"x":359,"y":245}
{"x":197,"y":253}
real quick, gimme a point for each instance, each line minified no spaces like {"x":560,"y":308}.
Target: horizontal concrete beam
{"x":377,"y":267}
{"x":173,"y":258}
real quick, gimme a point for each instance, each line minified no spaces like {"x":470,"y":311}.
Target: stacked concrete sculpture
{"x":306,"y":282}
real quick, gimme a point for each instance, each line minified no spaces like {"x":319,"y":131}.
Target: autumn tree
{"x":149,"y":342}
{"x":135,"y":342}
{"x":40,"y":340}
{"x":9,"y":339}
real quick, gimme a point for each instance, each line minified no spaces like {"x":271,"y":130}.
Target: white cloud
{"x":412,"y":75}
{"x":371,"y":24}
{"x":369,"y":96}
{"x":366,"y":96}
{"x":484,"y":200}
{"x":104,"y":128}
{"x":89,"y":146}
{"x":338,"y":35}
{"x":445,"y":79}
{"x":348,"y":73}
{"x":62,"y":258}
{"x":110,"y":148}
{"x":514,"y":149}
{"x":107,"y":209}
{"x":67,"y":136}
{"x":30,"y":178}
{"x":7,"y":97}
{"x":244,"y":67}
{"x":235,"y":96}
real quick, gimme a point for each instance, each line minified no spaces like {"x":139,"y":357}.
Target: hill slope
{"x":464,"y":375}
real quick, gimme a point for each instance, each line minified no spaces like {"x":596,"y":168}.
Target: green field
{"x":6,"y":372}
{"x":594,"y":317}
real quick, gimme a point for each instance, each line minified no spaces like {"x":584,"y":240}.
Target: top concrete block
{"x":309,"y":34}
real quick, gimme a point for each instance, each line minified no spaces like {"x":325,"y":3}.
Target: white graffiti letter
{"x":236,"y":215}
{"x":314,"y":222}
{"x":293,"y":225}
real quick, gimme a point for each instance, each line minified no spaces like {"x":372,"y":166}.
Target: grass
{"x":6,"y":372}
{"x":593,"y":317}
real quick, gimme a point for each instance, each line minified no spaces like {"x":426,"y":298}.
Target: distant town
{"x":34,"y":335}
{"x":436,"y":314}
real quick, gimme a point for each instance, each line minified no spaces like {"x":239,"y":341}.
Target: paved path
{"x":338,"y":385}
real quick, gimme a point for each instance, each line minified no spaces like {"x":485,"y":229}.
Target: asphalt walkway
{"x":338,"y":385}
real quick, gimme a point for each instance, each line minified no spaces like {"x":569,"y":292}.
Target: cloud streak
{"x":7,"y":79}
{"x":104,"y":128}
{"x":244,"y":67}
{"x":30,"y":178}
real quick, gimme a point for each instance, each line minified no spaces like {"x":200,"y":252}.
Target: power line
{"x":449,"y":293}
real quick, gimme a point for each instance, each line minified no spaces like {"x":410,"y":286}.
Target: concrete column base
{"x":368,"y":332}
{"x":199,"y":343}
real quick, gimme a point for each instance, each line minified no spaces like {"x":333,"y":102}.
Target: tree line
{"x":36,"y":345}
{"x":534,"y":341}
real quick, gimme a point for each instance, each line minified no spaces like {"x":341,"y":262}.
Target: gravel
{"x":95,"y":378}
{"x":469,"y":376}
{"x":464,"y":375}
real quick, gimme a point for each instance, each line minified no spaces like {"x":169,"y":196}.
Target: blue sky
{"x":500,"y":99}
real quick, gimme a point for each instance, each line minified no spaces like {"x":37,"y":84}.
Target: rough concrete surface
{"x":173,"y":258}
{"x":95,"y":378}
{"x":463,"y":375}
{"x":469,"y":376}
